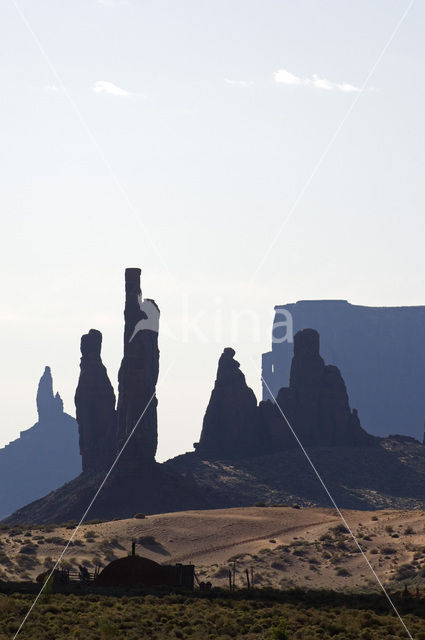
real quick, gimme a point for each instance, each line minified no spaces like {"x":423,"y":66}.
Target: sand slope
{"x":283,"y":546}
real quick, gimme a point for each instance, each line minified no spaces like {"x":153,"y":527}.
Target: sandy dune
{"x":283,"y":546}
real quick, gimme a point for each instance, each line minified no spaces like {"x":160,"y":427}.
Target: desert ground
{"x":282,"y":546}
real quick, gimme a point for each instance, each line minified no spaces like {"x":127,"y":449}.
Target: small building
{"x":136,"y":570}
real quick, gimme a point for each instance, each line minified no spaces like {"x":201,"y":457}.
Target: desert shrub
{"x":409,"y":531}
{"x":56,"y":540}
{"x":341,"y":571}
{"x":387,"y":551}
{"x":189,"y":617}
{"x":29,"y":549}
{"x":236,"y":557}
{"x":107,"y":629}
{"x":139,"y":516}
{"x":259,"y":504}
{"x":341,"y":545}
{"x":325,"y":537}
{"x":374,"y":518}
{"x":279,"y":632}
{"x":405,"y":572}
{"x":90,"y":535}
{"x":339,"y":528}
{"x":389,"y":528}
{"x":86,"y":563}
{"x":25,"y":562}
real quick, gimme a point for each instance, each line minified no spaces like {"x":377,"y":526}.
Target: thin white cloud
{"x":321,"y":83}
{"x":286,"y":77}
{"x":282,"y":76}
{"x":348,"y":88}
{"x":102,"y":86}
{"x":52,"y":88}
{"x":239,"y":83}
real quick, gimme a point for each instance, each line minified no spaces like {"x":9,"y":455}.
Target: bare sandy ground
{"x":282,"y":546}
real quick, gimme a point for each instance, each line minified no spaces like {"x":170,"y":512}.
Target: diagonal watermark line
{"x":330,"y":144}
{"x":338,"y":510}
{"x":65,"y":549}
{"x":91,"y":135}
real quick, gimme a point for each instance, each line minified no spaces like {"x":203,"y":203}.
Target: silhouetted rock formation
{"x":230,"y":428}
{"x":43,"y":457}
{"x":137,"y":483}
{"x":95,"y":407}
{"x":137,"y":378}
{"x":315,"y":403}
{"x":380,"y":352}
{"x":49,"y":406}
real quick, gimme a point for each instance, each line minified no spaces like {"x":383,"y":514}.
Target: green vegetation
{"x":261,"y":615}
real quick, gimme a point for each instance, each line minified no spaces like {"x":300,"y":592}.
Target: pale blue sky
{"x":180,"y":99}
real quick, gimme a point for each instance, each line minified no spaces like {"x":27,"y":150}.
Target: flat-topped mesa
{"x":230,"y":428}
{"x":49,"y":406}
{"x":95,"y":407}
{"x":137,"y":377}
{"x":315,"y":403}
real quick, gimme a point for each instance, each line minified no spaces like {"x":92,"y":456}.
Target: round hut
{"x":131,"y":570}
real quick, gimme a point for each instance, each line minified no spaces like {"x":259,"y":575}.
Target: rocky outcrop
{"x":44,"y":456}
{"x":137,"y":377}
{"x":230,"y":427}
{"x":380,"y":352}
{"x":49,"y":406}
{"x":315,"y":403}
{"x":95,"y":407}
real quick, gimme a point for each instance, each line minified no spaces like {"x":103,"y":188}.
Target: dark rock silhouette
{"x":95,"y":407}
{"x":137,"y":483}
{"x":49,"y":406}
{"x":315,"y":403}
{"x":380,"y":352}
{"x":230,"y":427}
{"x":137,"y":380}
{"x":44,"y":456}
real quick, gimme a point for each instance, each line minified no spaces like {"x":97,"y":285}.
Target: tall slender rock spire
{"x":49,"y":406}
{"x":95,"y":407}
{"x":138,"y":376}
